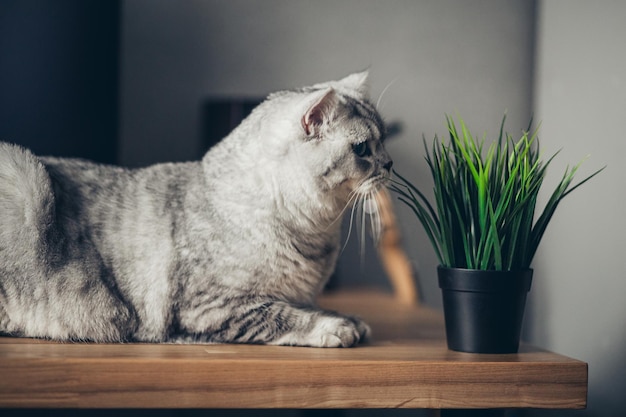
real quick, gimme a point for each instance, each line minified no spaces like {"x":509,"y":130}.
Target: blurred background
{"x":130,"y":81}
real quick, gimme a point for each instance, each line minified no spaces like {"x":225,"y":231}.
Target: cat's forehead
{"x":357,"y":108}
{"x":363,"y":120}
{"x":354,"y":111}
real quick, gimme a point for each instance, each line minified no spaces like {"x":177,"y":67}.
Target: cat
{"x":230,"y":249}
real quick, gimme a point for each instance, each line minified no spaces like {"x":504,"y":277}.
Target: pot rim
{"x":476,"y":280}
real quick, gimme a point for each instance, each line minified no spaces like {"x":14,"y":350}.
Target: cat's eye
{"x":361,"y":149}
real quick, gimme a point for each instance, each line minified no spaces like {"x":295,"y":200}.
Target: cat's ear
{"x":358,"y":82}
{"x":320,"y":112}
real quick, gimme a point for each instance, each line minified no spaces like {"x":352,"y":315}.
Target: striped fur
{"x":231,"y":249}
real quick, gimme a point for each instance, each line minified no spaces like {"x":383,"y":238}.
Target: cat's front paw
{"x":339,"y":331}
{"x":327,"y":330}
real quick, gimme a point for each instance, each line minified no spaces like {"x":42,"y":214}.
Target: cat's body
{"x":233,"y":248}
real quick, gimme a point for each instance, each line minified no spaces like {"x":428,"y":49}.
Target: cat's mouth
{"x":373,"y":184}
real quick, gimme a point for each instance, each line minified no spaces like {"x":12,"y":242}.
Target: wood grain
{"x":405,"y":365}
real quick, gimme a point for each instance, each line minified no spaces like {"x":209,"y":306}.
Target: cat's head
{"x":337,"y":138}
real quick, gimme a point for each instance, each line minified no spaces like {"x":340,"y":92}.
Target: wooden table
{"x":406,"y":364}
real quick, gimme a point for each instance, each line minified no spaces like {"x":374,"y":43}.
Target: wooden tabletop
{"x":406,"y":364}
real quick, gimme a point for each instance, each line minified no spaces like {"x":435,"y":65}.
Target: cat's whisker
{"x":366,"y":205}
{"x":362,"y":235}
{"x":355,"y":200}
{"x":374,"y":214}
{"x":354,"y":196}
{"x":380,"y":97}
{"x":352,"y":200}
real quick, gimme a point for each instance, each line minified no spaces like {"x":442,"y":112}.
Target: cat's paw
{"x":339,"y":331}
{"x":327,"y":330}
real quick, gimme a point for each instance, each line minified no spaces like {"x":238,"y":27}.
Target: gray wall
{"x":577,"y":302}
{"x":474,"y":58}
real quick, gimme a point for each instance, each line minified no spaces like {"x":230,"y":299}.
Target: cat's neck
{"x":251,"y":170}
{"x":243,"y":191}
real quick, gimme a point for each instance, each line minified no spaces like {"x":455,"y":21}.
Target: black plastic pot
{"x":484,"y":310}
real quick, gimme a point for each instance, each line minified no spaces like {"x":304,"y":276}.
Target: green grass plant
{"x":485,"y":211}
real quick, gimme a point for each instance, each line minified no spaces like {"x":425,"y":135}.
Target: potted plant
{"x":485,"y":230}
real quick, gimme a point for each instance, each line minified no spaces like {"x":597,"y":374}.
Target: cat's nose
{"x":388,"y":165}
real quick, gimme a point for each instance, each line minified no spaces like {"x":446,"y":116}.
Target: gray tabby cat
{"x":233,"y":248}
